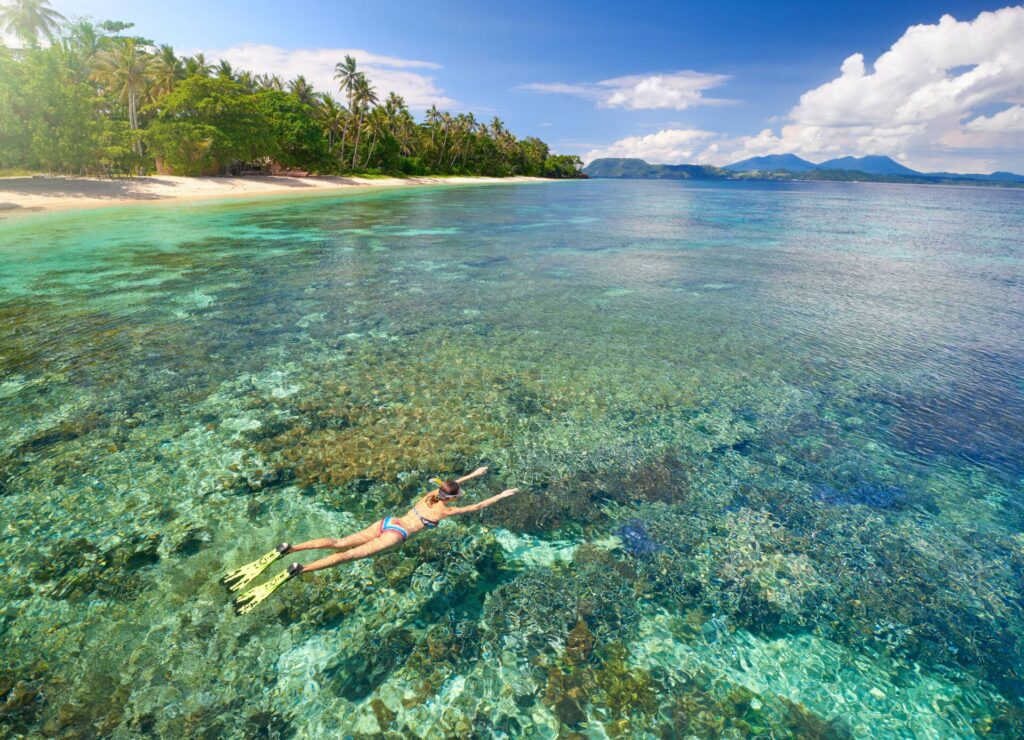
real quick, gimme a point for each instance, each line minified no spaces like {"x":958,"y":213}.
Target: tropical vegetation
{"x":86,"y":97}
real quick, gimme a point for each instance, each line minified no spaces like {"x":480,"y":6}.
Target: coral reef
{"x":747,"y":508}
{"x":636,"y":540}
{"x":868,"y":494}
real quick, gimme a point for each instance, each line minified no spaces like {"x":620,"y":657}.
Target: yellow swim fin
{"x":257,"y":594}
{"x":238,"y":578}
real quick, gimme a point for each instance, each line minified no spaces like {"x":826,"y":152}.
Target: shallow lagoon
{"x":770,"y":436}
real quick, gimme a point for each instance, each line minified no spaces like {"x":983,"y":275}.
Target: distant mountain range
{"x":772,"y":163}
{"x":792,"y":167}
{"x":793,"y":163}
{"x":872,"y":165}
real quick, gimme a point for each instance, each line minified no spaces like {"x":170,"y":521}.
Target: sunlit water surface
{"x":770,"y":440}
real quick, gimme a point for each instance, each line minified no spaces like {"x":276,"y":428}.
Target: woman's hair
{"x":447,"y":490}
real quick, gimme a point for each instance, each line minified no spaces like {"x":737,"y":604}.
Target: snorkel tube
{"x":441,"y":494}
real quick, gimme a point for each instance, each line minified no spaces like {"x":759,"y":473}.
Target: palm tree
{"x":433,"y":118}
{"x":270,"y":82}
{"x":460,"y":127}
{"x":302,"y":90}
{"x":197,"y":66}
{"x":165,"y":69}
{"x":363,"y":96}
{"x":27,"y":19}
{"x":399,"y":123}
{"x":497,"y":128}
{"x":333,"y":117}
{"x":82,"y":43}
{"x":471,"y":128}
{"x":224,"y":70}
{"x":122,"y":69}
{"x":446,"y":126}
{"x":246,"y":79}
{"x":345,"y":73}
{"x":404,"y":131}
{"x":378,"y":124}
{"x":393,"y":106}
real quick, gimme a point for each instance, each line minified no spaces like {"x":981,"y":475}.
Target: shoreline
{"x":39,"y":194}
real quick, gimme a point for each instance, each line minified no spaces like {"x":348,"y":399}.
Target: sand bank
{"x":22,"y":194}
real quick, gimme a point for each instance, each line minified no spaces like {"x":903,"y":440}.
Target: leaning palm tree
{"x":123,"y":71}
{"x":378,"y":124}
{"x":362,"y":97}
{"x":462,"y":128}
{"x":471,"y":129}
{"x":27,"y":19}
{"x":333,"y":117}
{"x":165,"y":69}
{"x":403,"y":128}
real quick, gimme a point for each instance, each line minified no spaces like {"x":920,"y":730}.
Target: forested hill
{"x":639,"y":169}
{"x":96,"y":98}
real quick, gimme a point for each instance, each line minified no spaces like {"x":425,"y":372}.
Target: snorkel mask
{"x":441,"y":494}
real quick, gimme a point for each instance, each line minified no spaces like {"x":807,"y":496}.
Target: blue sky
{"x":671,"y":82}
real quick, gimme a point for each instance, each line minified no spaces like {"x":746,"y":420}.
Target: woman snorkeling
{"x":426,"y":513}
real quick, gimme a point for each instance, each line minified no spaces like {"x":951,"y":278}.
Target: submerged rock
{"x":569,"y":712}
{"x":579,"y":643}
{"x":875,"y":495}
{"x":261,"y":479}
{"x":636,"y":539}
{"x":77,"y":568}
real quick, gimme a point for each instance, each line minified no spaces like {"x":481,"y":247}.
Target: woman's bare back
{"x":430,"y":510}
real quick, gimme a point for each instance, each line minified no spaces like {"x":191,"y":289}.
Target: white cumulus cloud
{"x":669,"y":146}
{"x":674,"y":91}
{"x":409,"y":78}
{"x":1010,"y":120}
{"x":915,"y":100}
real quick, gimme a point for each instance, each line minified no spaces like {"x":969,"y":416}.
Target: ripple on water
{"x":768,"y":438}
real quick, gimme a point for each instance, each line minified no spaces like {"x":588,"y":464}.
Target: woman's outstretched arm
{"x":475,"y":474}
{"x":483,"y":504}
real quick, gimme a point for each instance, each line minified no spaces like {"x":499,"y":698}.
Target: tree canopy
{"x":30,"y":19}
{"x":95,"y":97}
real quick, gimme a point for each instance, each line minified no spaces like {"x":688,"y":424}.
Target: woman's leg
{"x":383,"y":542}
{"x":329,"y":543}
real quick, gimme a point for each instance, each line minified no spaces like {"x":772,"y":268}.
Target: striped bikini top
{"x":428,"y":523}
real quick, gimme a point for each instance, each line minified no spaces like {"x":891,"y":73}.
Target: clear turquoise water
{"x":770,"y":440}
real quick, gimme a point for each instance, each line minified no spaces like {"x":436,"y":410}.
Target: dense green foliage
{"x":95,"y":99}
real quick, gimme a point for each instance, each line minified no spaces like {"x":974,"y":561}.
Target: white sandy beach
{"x":45,"y":193}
